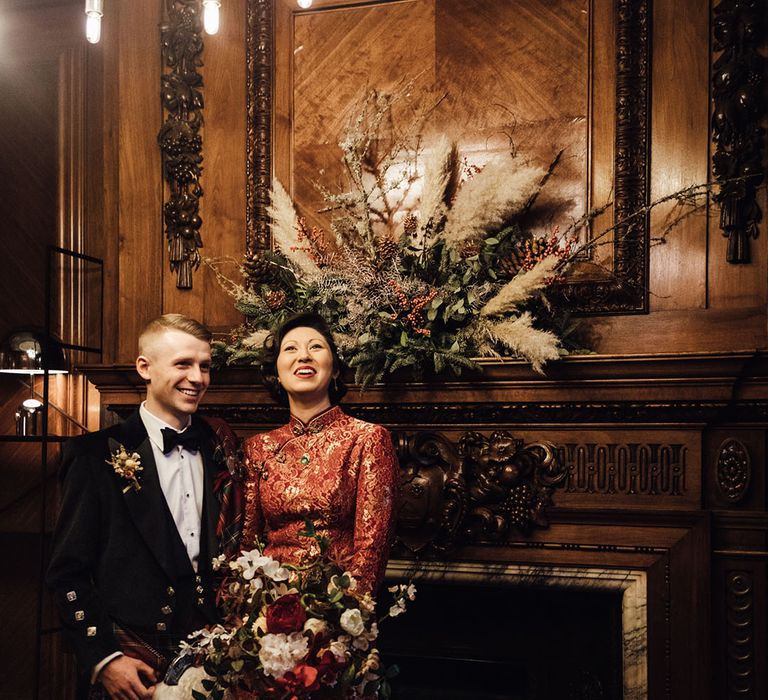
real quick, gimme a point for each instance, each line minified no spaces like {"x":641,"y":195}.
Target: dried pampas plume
{"x":519,"y":335}
{"x":441,"y":174}
{"x":284,"y":232}
{"x":521,"y":287}
{"x":256,"y":339}
{"x":492,"y":197}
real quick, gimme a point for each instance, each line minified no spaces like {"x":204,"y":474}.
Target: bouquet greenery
{"x":293,"y":632}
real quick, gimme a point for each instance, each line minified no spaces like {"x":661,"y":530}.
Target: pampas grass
{"x":440,"y":180}
{"x":527,"y":342}
{"x":256,"y":339}
{"x":284,"y":228}
{"x":521,"y":287}
{"x":491,"y":198}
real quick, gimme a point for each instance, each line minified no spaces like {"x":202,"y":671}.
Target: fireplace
{"x":636,"y":468}
{"x":489,"y":632}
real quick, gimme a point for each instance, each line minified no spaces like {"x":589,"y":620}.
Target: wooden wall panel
{"x":140,"y":195}
{"x":679,"y":157}
{"x":490,"y":96}
{"x":102,"y":188}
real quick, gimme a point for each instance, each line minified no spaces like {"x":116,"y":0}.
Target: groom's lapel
{"x":208,"y":545}
{"x":147,"y":506}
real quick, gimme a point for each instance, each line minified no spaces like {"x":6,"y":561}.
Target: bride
{"x":323,"y":465}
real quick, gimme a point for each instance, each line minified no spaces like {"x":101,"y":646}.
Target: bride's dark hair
{"x":272,"y":344}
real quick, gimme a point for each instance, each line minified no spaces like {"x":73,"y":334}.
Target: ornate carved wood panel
{"x":179,"y":138}
{"x":738,"y":79}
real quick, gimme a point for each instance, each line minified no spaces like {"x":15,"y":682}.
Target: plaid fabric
{"x":156,"y":649}
{"x":228,"y":486}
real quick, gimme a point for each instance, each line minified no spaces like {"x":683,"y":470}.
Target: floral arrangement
{"x":427,"y":283}
{"x":126,"y":465}
{"x":293,"y":632}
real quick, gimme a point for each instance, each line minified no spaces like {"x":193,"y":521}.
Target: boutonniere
{"x":126,"y":465}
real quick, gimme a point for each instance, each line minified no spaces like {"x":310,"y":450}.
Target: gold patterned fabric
{"x":340,"y":473}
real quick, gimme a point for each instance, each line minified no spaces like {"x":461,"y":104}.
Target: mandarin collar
{"x":316,"y":424}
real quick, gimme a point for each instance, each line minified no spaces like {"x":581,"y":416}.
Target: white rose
{"x":352,"y":622}
{"x":339,"y":648}
{"x":315,"y":626}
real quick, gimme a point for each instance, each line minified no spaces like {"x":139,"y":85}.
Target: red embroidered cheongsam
{"x":337,"y":471}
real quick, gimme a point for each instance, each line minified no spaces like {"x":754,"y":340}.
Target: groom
{"x":131,"y":559}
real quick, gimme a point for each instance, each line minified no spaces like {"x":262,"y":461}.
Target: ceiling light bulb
{"x":211,"y":16}
{"x":94,"y":9}
{"x":304,"y":4}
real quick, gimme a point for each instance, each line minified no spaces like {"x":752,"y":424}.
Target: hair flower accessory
{"x":126,"y":465}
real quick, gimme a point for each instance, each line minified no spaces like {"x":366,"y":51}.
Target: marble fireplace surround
{"x":631,"y":584}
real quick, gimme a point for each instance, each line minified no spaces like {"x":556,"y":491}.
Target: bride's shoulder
{"x":365,"y":429}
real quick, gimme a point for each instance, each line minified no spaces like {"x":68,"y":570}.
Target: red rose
{"x":286,"y":615}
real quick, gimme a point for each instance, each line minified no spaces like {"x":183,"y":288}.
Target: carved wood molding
{"x":733,"y":470}
{"x":258,"y":141}
{"x":629,"y":469}
{"x":740,"y":670}
{"x":739,"y":109}
{"x":477,"y":489}
{"x":626,"y":289}
{"x":501,"y":414}
{"x":179,"y":138}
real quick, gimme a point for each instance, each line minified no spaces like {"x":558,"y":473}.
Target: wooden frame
{"x":624,"y":288}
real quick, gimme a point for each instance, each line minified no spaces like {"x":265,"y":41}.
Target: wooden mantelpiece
{"x":664,"y":473}
{"x":695,"y":388}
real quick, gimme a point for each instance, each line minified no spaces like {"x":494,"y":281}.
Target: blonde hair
{"x":173,"y":322}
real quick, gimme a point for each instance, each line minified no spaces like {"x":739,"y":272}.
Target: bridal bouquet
{"x":293,"y":632}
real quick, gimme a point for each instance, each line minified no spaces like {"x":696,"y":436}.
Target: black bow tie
{"x":189,"y":439}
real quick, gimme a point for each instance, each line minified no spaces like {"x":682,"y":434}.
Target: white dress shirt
{"x":181,"y":480}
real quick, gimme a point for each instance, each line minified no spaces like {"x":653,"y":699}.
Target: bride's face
{"x":305,"y":364}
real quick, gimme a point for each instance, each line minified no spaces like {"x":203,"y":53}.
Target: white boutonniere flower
{"x":126,"y":465}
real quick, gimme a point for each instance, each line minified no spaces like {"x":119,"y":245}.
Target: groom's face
{"x":177,"y":369}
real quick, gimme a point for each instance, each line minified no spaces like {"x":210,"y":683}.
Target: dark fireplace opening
{"x":476,"y":642}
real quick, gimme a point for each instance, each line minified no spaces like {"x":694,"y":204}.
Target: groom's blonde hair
{"x":172,"y":322}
